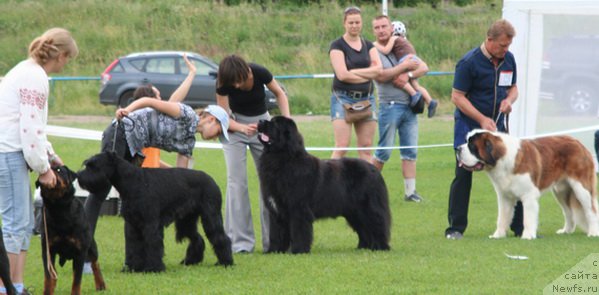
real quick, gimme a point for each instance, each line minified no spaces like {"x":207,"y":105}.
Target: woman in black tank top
{"x":356,"y":63}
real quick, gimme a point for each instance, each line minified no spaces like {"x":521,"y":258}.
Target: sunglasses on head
{"x":351,"y":9}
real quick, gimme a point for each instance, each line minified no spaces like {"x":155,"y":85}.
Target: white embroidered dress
{"x":24,"y":114}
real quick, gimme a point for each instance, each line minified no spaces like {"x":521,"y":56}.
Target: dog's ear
{"x":489,"y":156}
{"x":293,"y":135}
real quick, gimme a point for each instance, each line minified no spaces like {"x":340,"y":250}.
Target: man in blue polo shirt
{"x":484,"y":89}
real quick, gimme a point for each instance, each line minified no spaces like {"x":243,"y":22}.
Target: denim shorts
{"x":16,"y":206}
{"x":406,"y":56}
{"x":397,"y":118}
{"x":337,"y":110}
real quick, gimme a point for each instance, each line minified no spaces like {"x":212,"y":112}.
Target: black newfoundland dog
{"x":154,"y":198}
{"x":299,"y":188}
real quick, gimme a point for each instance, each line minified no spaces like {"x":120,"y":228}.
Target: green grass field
{"x":421,"y":260}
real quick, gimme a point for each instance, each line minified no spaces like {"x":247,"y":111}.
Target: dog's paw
{"x":101,"y":286}
{"x":564,"y":230}
{"x":528,"y":236}
{"x":498,"y":234}
{"x":224,"y":263}
{"x":593,"y":233}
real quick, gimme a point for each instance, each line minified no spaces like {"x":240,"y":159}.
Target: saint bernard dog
{"x":522,"y":169}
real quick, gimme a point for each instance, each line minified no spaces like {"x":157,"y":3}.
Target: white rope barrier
{"x":86,"y":134}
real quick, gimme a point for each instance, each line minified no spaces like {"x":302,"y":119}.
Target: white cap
{"x":223,"y":117}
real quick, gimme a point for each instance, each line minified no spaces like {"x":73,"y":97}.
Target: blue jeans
{"x":16,"y":206}
{"x":396,"y":117}
{"x":337,"y":110}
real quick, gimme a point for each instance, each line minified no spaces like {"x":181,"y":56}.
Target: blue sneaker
{"x":415,"y":98}
{"x":415,"y":197}
{"x":432,"y":108}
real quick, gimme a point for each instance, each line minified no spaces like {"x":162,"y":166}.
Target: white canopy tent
{"x":555,"y":38}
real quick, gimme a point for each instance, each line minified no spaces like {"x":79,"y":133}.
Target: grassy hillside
{"x":288,"y":40}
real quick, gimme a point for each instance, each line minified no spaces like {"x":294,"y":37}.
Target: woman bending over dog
{"x":167,"y":125}
{"x":152,"y":154}
{"x":240,"y":91}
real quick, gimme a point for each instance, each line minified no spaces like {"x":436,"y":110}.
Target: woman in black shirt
{"x":240,"y":91}
{"x":355,"y":63}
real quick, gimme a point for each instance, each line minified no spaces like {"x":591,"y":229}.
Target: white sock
{"x":19,"y":287}
{"x":409,"y":186}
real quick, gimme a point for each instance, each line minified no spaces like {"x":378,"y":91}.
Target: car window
{"x":138,"y":64}
{"x":201,"y":67}
{"x":161,"y":65}
{"x":118,"y":68}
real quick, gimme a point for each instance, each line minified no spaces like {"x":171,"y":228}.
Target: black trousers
{"x":111,"y":142}
{"x":459,"y":199}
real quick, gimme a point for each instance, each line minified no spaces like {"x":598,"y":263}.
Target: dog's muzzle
{"x":476,"y":167}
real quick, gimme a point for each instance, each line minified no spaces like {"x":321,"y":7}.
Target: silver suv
{"x":570,"y":73}
{"x":165,"y":70}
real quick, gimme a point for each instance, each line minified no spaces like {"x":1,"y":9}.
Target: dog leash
{"x":506,"y":121}
{"x":116,"y":130}
{"x":49,"y":264}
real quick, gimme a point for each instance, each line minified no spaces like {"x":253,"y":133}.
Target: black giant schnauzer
{"x":65,"y":232}
{"x":154,"y":198}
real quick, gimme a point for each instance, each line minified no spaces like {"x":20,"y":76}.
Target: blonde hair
{"x":51,"y":44}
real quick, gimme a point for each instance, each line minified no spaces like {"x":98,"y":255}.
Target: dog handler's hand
{"x":488,"y":124}
{"x":505,"y":106}
{"x":48,"y":179}
{"x":55,"y":161}
{"x":250,"y":129}
{"x":120,"y":113}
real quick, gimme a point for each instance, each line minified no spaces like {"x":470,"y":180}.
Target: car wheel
{"x":581,"y":98}
{"x":126,"y":98}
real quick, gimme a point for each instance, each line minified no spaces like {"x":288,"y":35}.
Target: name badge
{"x":505,"y":78}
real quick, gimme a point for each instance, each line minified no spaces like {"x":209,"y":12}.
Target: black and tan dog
{"x":5,"y":269}
{"x":66,"y":233}
{"x":154,"y":198}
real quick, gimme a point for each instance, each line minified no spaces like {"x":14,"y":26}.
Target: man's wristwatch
{"x":411,"y":75}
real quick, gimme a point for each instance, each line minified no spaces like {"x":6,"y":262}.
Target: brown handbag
{"x":358,"y":111}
